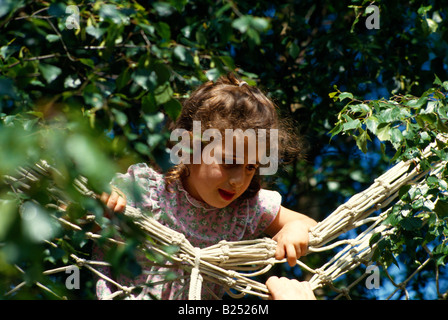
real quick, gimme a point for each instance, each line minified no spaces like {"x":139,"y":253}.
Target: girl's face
{"x":220,"y":184}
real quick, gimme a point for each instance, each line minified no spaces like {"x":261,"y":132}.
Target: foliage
{"x":409,"y":125}
{"x":93,"y":100}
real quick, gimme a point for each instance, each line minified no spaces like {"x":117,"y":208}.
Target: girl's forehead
{"x":238,"y":152}
{"x":235,"y":145}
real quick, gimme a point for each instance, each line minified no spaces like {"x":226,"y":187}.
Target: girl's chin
{"x":219,"y":203}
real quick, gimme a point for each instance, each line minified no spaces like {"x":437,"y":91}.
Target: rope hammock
{"x":234,"y":264}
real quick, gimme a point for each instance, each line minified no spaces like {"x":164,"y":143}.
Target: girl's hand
{"x":292,"y":241}
{"x":116,"y":201}
{"x":286,"y":289}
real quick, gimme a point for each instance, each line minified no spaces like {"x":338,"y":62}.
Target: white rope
{"x":196,"y":278}
{"x":232,"y":264}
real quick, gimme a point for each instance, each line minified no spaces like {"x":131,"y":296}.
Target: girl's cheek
{"x":213,"y":172}
{"x":218,"y":173}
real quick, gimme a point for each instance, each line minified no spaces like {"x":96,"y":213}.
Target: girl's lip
{"x":226,"y":195}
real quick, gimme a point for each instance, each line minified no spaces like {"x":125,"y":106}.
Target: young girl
{"x":214,"y":201}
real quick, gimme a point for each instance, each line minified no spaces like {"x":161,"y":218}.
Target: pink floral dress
{"x":203,"y":226}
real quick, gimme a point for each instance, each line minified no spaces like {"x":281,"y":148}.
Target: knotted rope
{"x":234,"y":264}
{"x":196,"y":278}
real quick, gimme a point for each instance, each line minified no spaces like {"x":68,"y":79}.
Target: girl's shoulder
{"x":142,"y":170}
{"x":265,"y":201}
{"x":265,"y":195}
{"x":143,"y":186}
{"x":140,"y":174}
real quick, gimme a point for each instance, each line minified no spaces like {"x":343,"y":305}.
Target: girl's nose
{"x":236,"y":179}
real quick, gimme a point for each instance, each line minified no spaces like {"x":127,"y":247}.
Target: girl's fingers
{"x":303,"y":249}
{"x":279,"y":252}
{"x":291,"y":253}
{"x":104,"y":197}
{"x":112,"y":201}
{"x":121,"y":204}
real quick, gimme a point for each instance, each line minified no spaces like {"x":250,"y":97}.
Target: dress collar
{"x":194,"y":202}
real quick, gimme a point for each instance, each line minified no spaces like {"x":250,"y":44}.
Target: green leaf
{"x":163,"y":93}
{"x":37,"y":224}
{"x":153,"y":120}
{"x":164,"y":30}
{"x":404,"y":190}
{"x":178,"y":4}
{"x":173,"y":108}
{"x":72,"y":82}
{"x":163,"y":9}
{"x":75,"y":211}
{"x":154,"y":140}
{"x":90,"y":161}
{"x":336,"y":130}
{"x":49,"y":72}
{"x":333,"y":94}
{"x":391,"y":114}
{"x":424,"y":10}
{"x":437,"y":80}
{"x":294,"y":51}
{"x":212,"y":74}
{"x":417,"y":103}
{"x":57,"y":9}
{"x":372,"y":124}
{"x":259,"y":24}
{"x":52,"y":37}
{"x":163,"y":73}
{"x":120,"y":117}
{"x":353,"y":124}
{"x":445,"y":85}
{"x":9,"y":214}
{"x":393,"y":219}
{"x":374,"y":238}
{"x":142,"y":148}
{"x":87,"y":62}
{"x":383,"y":132}
{"x":7,"y":6}
{"x":111,"y":12}
{"x":361,"y":141}
{"x":345,"y":95}
{"x":181,"y":53}
{"x":228,"y":62}
{"x":411,"y":223}
{"x":441,"y":208}
{"x":149,"y":103}
{"x":429,"y":118}
{"x":396,"y":137}
{"x":361,"y":108}
{"x":242,"y":23}
{"x":123,"y":79}
{"x":96,"y":32}
{"x":146,"y":79}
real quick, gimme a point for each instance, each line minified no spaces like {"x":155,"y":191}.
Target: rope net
{"x":233,"y":265}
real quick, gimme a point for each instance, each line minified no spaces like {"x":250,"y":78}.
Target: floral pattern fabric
{"x":202,"y":224}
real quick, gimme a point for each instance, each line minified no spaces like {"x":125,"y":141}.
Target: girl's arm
{"x":290,"y":230}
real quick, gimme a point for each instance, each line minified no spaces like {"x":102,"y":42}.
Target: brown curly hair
{"x":230,"y":103}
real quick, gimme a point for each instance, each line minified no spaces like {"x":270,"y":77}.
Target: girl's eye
{"x":251,"y":167}
{"x":228,"y":165}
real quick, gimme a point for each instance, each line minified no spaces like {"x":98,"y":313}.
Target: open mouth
{"x":226,"y":195}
